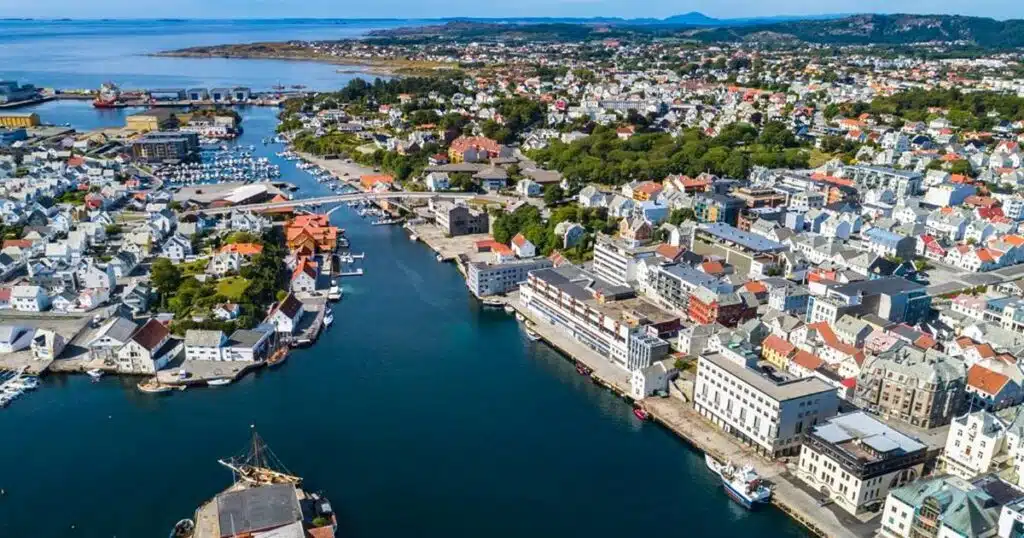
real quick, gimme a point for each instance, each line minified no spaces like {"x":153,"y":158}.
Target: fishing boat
{"x":264,"y":499}
{"x":278,"y":357}
{"x":183,"y":529}
{"x":219,"y":382}
{"x":153,"y":386}
{"x":742,"y":484}
{"x":95,"y":374}
{"x":641,"y":413}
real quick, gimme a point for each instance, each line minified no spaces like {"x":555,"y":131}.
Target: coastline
{"x":389,"y":67}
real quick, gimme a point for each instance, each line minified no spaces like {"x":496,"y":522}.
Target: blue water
{"x":85,"y":54}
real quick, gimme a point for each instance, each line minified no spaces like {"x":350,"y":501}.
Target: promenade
{"x":680,"y":417}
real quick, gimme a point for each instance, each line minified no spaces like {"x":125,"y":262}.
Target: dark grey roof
{"x":257,"y":509}
{"x":247,"y":338}
{"x":888,"y":286}
{"x":121,"y":330}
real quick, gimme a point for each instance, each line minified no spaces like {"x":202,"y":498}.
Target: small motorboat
{"x":641,"y":413}
{"x":492,"y":303}
{"x":328,"y":319}
{"x":439,"y":258}
{"x":509,"y":309}
{"x":582,"y":370}
{"x":95,"y":374}
{"x":219,"y":382}
{"x":532,"y":335}
{"x":334,"y":294}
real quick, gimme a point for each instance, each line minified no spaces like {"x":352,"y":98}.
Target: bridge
{"x":349,"y":197}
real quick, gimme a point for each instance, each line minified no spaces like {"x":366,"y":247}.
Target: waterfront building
{"x":148,"y":349}
{"x":15,"y":120}
{"x":154,"y":119}
{"x":484,"y":278}
{"x":12,"y":92}
{"x":949,"y":506}
{"x":110,"y":337}
{"x":202,"y":345}
{"x":599,"y":315}
{"x":648,"y":381}
{"x":855,"y":460}
{"x":458,"y":219}
{"x":15,"y":338}
{"x":305,"y":275}
{"x":47,"y":345}
{"x":286,"y":315}
{"x":616,"y":259}
{"x":769,"y":413}
{"x":249,"y":345}
{"x":310,"y":234}
{"x":924,"y":388}
{"x":158,"y":147}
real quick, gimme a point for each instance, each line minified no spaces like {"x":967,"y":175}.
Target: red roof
{"x":778,"y":345}
{"x":807,"y":360}
{"x":519,"y":240}
{"x":245,"y":249}
{"x":151,"y":334}
{"x":490,"y":245}
{"x":985,"y":380}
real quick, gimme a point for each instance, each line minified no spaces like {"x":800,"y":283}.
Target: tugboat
{"x":265,"y":499}
{"x":108,"y":95}
{"x":742,"y":484}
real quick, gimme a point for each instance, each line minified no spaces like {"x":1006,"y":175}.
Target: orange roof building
{"x":309,"y":234}
{"x":245,"y":249}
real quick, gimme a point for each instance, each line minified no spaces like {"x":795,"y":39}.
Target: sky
{"x":1000,"y":9}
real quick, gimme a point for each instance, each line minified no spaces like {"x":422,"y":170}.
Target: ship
{"x":742,"y":484}
{"x":265,"y":499}
{"x":108,"y":96}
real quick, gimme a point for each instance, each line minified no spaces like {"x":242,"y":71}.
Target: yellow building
{"x":12,"y":120}
{"x":777,"y":352}
{"x":155,"y":119}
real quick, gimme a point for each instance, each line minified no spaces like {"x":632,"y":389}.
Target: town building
{"x":856,"y":460}
{"x":768,"y":412}
{"x":486,"y":278}
{"x":949,"y":506}
{"x":924,"y":388}
{"x":457,"y":219}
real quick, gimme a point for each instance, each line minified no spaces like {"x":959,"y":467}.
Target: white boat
{"x":414,"y":237}
{"x":520,"y":317}
{"x":328,"y":319}
{"x":509,"y":309}
{"x":439,"y":258}
{"x":334,"y":293}
{"x":533,"y":336}
{"x":95,"y":373}
{"x":219,"y":382}
{"x":742,"y":484}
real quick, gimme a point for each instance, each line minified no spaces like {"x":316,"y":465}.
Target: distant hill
{"x":899,"y":29}
{"x":880,"y":29}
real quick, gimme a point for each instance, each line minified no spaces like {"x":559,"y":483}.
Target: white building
{"x":203,"y":345}
{"x":855,"y":460}
{"x":973,"y":442}
{"x":29,"y":298}
{"x":767,"y":414}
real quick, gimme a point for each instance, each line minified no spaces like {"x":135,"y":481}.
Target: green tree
{"x":553,"y":194}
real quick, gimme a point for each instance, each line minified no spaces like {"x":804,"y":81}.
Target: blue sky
{"x":1002,"y":9}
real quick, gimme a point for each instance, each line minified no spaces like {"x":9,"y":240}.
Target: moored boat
{"x":153,"y":386}
{"x":439,"y":258}
{"x":742,"y":484}
{"x":414,"y":238}
{"x":582,"y":370}
{"x":219,"y":382}
{"x":95,"y":374}
{"x":641,"y":413}
{"x":328,"y":319}
{"x":532,"y":335}
{"x":278,"y":357}
{"x":520,"y":317}
{"x":509,"y":309}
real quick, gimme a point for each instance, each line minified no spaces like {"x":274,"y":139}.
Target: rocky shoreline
{"x":391,"y":67}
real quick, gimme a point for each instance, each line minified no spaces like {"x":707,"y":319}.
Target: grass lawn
{"x":194,"y":268}
{"x":819,"y":158}
{"x":232,"y":287}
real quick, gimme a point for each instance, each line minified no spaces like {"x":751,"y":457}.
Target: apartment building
{"x":769,"y":412}
{"x":924,"y":388}
{"x":949,"y":506}
{"x":483,"y":278}
{"x":616,"y":259}
{"x":600,"y":315}
{"x":855,"y":460}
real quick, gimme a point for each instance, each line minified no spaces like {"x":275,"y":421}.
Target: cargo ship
{"x":264,"y":500}
{"x":108,"y":96}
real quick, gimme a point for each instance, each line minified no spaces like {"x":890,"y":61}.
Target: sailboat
{"x":260,"y":481}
